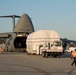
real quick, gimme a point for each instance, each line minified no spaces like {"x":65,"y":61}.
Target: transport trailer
{"x":45,"y":43}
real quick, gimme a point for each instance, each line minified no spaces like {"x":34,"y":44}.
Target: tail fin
{"x":24,"y":24}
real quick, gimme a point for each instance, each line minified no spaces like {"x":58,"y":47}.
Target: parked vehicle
{"x":71,"y":47}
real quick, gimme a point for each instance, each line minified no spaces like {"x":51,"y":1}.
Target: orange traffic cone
{"x":0,"y":49}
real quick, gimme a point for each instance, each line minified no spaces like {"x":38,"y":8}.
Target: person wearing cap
{"x":74,"y":57}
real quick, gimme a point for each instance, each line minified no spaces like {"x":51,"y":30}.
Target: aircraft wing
{"x":9,"y":34}
{"x":5,"y":35}
{"x":67,"y":40}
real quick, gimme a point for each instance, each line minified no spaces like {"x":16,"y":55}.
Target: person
{"x":74,"y":57}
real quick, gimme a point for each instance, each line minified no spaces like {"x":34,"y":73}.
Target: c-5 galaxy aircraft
{"x":16,"y":40}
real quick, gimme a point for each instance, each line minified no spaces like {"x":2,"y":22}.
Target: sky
{"x":58,"y":15}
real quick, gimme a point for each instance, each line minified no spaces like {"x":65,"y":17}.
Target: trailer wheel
{"x":54,"y":56}
{"x":43,"y":54}
{"x":46,"y":55}
{"x":58,"y":56}
{"x":28,"y":53}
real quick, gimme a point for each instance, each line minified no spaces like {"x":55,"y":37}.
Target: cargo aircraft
{"x":16,"y":40}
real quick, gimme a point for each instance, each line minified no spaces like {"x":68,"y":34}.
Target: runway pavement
{"x":13,"y":63}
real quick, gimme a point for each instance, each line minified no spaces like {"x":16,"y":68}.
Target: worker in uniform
{"x":74,"y":57}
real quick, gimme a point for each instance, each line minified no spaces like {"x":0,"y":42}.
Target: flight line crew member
{"x":74,"y":57}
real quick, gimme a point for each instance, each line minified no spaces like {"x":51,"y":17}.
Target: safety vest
{"x":74,"y":54}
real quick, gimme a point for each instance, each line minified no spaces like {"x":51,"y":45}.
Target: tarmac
{"x":18,"y":63}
